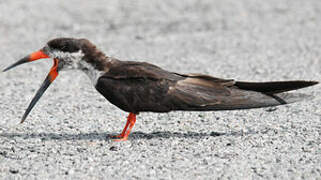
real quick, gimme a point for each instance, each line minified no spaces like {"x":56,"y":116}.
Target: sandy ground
{"x":66,"y":135}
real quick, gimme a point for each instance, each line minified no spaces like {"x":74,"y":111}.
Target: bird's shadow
{"x":107,"y":136}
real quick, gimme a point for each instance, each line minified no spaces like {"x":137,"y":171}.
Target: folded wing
{"x":204,"y":93}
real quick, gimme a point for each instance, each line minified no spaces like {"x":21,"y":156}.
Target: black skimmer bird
{"x":140,"y":87}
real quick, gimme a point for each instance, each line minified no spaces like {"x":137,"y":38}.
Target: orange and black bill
{"x":49,"y":79}
{"x":32,"y":57}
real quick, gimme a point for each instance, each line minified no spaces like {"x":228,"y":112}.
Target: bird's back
{"x":139,"y":86}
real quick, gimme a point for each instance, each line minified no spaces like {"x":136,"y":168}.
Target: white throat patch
{"x":71,"y":60}
{"x":74,"y":61}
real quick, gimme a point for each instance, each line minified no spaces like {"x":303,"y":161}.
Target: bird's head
{"x":67,"y":53}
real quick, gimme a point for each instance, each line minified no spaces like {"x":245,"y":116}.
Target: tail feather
{"x":274,"y":87}
{"x":241,"y":95}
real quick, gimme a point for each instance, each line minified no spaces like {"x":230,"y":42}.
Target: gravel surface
{"x":66,"y":134}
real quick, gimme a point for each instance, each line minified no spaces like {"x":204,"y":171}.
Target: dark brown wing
{"x":141,"y":70}
{"x":204,"y":93}
{"x":137,"y":87}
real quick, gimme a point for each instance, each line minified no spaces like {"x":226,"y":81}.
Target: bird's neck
{"x":95,"y":65}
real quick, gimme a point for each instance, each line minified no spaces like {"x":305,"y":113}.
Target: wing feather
{"x":140,"y":86}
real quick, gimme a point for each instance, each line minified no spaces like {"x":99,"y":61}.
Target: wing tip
{"x":294,"y":97}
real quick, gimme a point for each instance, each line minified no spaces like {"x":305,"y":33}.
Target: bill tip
{"x":3,"y":69}
{"x":315,"y":82}
{"x":22,"y":120}
{"x":7,"y":68}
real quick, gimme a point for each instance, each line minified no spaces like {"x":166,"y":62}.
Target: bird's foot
{"x":131,"y":119}
{"x":121,"y":139}
{"x":117,"y":136}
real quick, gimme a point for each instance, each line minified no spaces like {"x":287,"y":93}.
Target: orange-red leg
{"x":124,"y":130}
{"x":131,"y":119}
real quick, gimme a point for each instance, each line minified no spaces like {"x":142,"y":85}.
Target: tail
{"x":274,"y":87}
